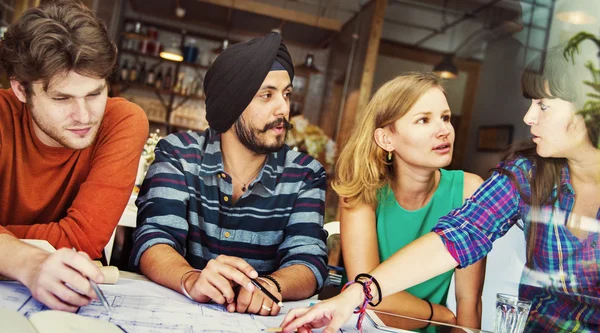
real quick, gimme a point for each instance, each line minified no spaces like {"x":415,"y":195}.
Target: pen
{"x":98,"y":292}
{"x":100,"y":295}
{"x":266,"y":292}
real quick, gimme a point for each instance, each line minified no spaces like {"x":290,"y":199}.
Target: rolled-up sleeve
{"x":162,"y":205}
{"x":305,"y":238}
{"x":468,"y":232}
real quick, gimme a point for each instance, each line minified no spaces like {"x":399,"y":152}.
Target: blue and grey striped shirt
{"x":185,"y":202}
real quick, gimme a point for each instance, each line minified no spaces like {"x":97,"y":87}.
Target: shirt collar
{"x":212,"y":162}
{"x":565,"y":179}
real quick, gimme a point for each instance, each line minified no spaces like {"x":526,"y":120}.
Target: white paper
{"x":145,"y":307}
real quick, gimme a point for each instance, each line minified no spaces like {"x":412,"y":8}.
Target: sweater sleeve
{"x":102,"y":197}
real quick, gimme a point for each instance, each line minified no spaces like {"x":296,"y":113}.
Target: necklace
{"x":244,"y":188}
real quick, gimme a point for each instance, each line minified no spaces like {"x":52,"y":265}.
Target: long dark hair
{"x":549,"y":76}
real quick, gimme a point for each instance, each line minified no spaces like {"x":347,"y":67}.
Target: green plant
{"x":591,"y":108}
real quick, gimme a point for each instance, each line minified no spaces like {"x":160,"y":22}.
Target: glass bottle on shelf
{"x":168,"y":80}
{"x":133,"y":73}
{"x":179,"y":84}
{"x":150,"y":77}
{"x":158,"y":83}
{"x":124,"y":73}
{"x":142,"y":75}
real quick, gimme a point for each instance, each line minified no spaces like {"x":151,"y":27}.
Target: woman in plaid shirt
{"x":551,"y":184}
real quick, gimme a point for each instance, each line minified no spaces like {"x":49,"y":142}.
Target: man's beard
{"x":249,"y":137}
{"x":57,"y":133}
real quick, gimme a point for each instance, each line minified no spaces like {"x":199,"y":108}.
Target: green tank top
{"x":397,"y":227}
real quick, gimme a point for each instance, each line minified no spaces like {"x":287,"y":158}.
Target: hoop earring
{"x":389,"y":156}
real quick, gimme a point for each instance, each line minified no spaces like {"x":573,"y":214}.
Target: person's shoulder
{"x":9,"y":96}
{"x":294,"y":159}
{"x":471,"y":183}
{"x":123,"y":107}
{"x":520,"y":167}
{"x":183,"y":141}
{"x":122,"y":113}
{"x":9,"y":103}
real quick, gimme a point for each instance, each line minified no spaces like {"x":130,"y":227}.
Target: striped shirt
{"x":186,"y":202}
{"x":563,"y":281}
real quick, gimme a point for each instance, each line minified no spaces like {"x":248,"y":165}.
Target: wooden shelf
{"x":128,"y":85}
{"x":174,"y":125}
{"x":157,"y":121}
{"x":150,"y":56}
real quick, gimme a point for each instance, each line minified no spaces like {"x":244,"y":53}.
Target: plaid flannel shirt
{"x":563,"y":279}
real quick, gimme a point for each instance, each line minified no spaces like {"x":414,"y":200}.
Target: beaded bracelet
{"x":272,"y":279}
{"x":183,"y":291}
{"x":266,"y":281}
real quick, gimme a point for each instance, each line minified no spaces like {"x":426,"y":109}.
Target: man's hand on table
{"x":59,"y":279}
{"x":256,"y":302}
{"x":218,"y":279}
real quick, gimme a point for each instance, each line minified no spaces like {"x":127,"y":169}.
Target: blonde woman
{"x":394,"y":191}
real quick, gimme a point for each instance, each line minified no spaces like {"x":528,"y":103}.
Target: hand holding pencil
{"x":265,"y":300}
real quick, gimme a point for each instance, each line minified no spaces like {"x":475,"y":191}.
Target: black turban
{"x":236,"y":75}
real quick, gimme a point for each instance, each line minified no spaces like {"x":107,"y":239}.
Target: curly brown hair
{"x":54,"y":39}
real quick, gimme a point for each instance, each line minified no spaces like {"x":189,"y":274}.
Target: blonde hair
{"x":362,"y":168}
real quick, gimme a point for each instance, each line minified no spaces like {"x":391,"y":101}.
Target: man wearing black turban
{"x":235,"y":203}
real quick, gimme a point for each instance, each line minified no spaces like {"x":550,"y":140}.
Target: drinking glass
{"x":511,"y":313}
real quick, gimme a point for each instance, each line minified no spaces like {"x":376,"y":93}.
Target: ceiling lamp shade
{"x":575,"y":12}
{"x":446,"y":69}
{"x":576,"y":17}
{"x":172,"y":53}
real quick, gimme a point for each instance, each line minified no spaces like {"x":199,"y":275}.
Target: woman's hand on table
{"x":332,"y":313}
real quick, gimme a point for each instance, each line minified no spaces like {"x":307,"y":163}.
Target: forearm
{"x":469,"y":287}
{"x":468,"y":313}
{"x":165,"y":266}
{"x":406,"y":304}
{"x":19,"y":264}
{"x":419,"y":261}
{"x":296,"y":281}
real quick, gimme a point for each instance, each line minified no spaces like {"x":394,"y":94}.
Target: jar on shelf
{"x":190,"y":51}
{"x":152,"y":41}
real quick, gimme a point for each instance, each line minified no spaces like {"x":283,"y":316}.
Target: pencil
{"x":98,"y":292}
{"x":266,"y":292}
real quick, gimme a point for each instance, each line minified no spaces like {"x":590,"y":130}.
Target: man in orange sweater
{"x":68,"y":153}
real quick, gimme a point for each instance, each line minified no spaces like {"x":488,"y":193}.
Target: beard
{"x":251,"y":137}
{"x":59,"y":134}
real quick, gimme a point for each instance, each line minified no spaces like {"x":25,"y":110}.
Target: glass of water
{"x":511,"y":313}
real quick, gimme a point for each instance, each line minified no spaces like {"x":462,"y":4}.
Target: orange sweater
{"x":71,"y":198}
